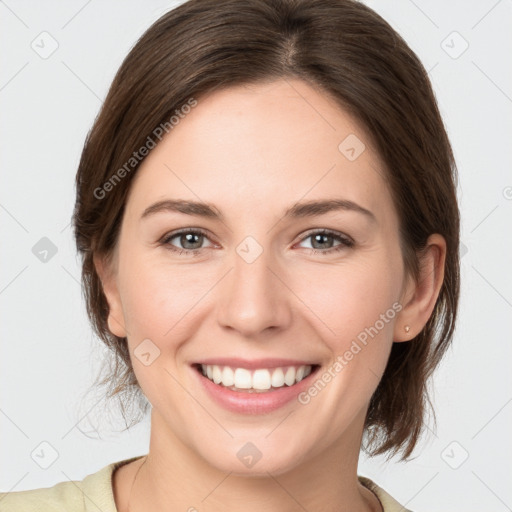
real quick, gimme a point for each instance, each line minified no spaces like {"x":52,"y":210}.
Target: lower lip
{"x":253,"y":403}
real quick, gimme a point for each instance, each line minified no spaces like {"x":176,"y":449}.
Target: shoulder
{"x":60,"y":497}
{"x":93,"y":493}
{"x":389,"y":504}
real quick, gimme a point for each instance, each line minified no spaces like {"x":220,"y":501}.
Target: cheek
{"x":160,"y":300}
{"x":159,"y":304}
{"x":355,"y":310}
{"x":147,"y":288}
{"x":347,"y":299}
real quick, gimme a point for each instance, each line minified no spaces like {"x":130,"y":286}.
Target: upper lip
{"x":250,"y":364}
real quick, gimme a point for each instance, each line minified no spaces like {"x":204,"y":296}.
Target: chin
{"x":256,"y":459}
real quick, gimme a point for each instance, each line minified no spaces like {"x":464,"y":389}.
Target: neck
{"x":173,"y":476}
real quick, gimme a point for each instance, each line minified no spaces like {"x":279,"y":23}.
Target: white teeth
{"x":278,"y":378}
{"x":228,"y":377}
{"x":242,"y":379}
{"x":217,"y":375}
{"x":261,"y":379}
{"x":289,"y":376}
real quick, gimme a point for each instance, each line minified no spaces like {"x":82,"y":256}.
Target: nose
{"x":254,"y":298}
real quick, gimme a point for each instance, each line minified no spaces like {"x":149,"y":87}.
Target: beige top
{"x":94,"y":493}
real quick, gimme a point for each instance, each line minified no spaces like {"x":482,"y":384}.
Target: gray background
{"x":49,"y":354}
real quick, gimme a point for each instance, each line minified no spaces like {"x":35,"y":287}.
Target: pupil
{"x":319,"y":237}
{"x":188,"y":237}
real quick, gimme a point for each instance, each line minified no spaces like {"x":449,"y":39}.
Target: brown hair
{"x":345,"y":49}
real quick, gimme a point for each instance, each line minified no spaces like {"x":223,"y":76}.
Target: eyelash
{"x":345,"y":241}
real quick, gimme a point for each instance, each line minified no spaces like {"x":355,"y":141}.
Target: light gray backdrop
{"x":58,"y":59}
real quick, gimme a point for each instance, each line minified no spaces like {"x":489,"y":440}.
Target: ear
{"x":419,"y":298}
{"x":107,"y":275}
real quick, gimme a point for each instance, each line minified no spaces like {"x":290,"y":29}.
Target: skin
{"x":274,"y":144}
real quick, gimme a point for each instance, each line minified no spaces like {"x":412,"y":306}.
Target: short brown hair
{"x":349,"y":52}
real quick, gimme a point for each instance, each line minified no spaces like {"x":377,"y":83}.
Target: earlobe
{"x":422,"y":295}
{"x":116,"y":324}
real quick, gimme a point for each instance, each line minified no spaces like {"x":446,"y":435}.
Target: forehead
{"x":273,"y":143}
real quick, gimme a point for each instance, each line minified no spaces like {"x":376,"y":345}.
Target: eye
{"x":191,"y":241}
{"x":321,"y":244}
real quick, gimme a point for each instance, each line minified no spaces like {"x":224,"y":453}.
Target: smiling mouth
{"x":260,"y":380}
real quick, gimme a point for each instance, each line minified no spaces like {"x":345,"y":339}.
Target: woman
{"x":237,"y":138}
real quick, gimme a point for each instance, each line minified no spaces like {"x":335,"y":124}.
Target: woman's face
{"x":259,"y":289}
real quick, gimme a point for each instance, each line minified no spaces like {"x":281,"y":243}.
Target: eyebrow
{"x":298,"y":210}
